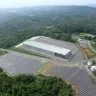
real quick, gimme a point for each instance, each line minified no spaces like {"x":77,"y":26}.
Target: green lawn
{"x":27,"y":52}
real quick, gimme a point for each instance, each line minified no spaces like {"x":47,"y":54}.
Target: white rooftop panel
{"x":33,"y":38}
{"x":47,"y":47}
{"x":93,"y":68}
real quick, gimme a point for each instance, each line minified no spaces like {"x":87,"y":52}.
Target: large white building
{"x":44,"y":47}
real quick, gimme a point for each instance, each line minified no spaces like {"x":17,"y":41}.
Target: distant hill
{"x":29,"y":85}
{"x":67,"y":9}
{"x":19,"y":24}
{"x":92,"y":5}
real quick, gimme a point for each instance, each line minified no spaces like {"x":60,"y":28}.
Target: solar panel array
{"x":76,"y":76}
{"x":64,"y":72}
{"x":18,"y":64}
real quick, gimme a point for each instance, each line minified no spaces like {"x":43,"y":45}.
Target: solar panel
{"x":18,"y":64}
{"x":76,"y":76}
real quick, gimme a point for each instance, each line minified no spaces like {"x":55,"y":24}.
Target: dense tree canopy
{"x":60,"y":22}
{"x":29,"y":85}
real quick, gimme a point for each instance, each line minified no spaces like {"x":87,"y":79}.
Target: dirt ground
{"x":85,"y":57}
{"x":51,"y":64}
{"x":75,"y":89}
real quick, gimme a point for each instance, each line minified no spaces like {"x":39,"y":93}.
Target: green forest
{"x":60,"y":22}
{"x":29,"y":85}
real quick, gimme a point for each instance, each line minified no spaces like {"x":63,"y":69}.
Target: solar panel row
{"x":18,"y":64}
{"x":76,"y":76}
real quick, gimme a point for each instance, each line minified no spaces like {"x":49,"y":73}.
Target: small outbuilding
{"x":93,"y":68}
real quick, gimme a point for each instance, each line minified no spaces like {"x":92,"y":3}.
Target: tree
{"x":93,"y":62}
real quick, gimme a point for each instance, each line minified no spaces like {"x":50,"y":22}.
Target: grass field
{"x":27,"y":52}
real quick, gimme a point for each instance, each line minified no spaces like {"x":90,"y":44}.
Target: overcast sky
{"x":25,"y":3}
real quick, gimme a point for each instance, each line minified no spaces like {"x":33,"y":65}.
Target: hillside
{"x":58,"y":22}
{"x":29,"y":85}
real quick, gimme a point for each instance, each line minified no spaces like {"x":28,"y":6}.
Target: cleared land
{"x":14,"y":63}
{"x":84,"y":55}
{"x":77,"y":76}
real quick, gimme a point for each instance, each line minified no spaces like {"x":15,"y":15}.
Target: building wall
{"x":69,"y":55}
{"x":64,"y":56}
{"x":48,"y":52}
{"x":38,"y":49}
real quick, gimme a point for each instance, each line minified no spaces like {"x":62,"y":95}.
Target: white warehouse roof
{"x":47,"y":47}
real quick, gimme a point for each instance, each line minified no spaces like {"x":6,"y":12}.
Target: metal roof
{"x":93,"y":68}
{"x":47,"y":47}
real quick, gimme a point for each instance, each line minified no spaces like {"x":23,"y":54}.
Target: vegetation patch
{"x":74,"y":39}
{"x":27,"y":52}
{"x":82,"y":51}
{"x":2,"y":52}
{"x":89,"y":52}
{"x":93,"y":64}
{"x":86,"y":36}
{"x":93,"y":43}
{"x":94,"y":73}
{"x":56,"y":22}
{"x":29,"y":85}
